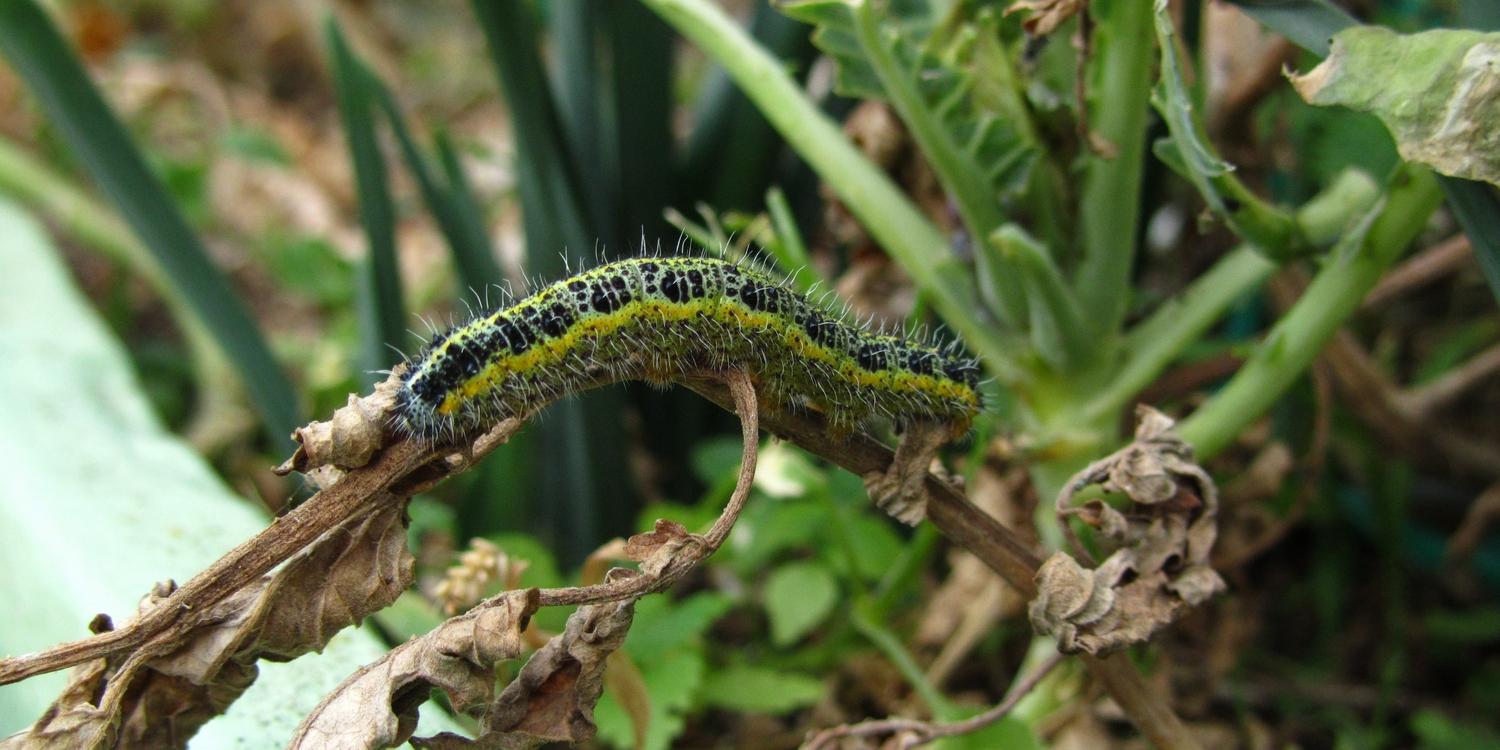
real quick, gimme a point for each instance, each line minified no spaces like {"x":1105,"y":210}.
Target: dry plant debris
{"x":1160,"y":564}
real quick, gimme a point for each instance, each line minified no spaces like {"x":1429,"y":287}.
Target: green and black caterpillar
{"x":662,"y":318}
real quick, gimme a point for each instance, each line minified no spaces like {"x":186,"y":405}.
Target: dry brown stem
{"x":911,"y":732}
{"x":1423,"y":268}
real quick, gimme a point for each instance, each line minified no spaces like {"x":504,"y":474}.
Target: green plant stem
{"x":942,"y":709}
{"x":1110,"y":205}
{"x":789,"y":249}
{"x":1158,"y":340}
{"x":1354,"y":266}
{"x":879,"y":204}
{"x":1153,"y":344}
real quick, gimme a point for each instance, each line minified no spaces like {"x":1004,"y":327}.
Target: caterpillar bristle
{"x":652,"y":318}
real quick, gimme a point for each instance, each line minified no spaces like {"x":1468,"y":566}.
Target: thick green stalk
{"x":879,"y":204}
{"x":1151,"y":346}
{"x":1352,"y":269}
{"x":1120,"y":88}
{"x":1157,"y":341}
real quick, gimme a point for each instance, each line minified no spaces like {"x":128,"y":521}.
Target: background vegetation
{"x":259,"y":199}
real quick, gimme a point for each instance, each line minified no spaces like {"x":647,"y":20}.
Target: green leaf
{"x":95,"y":135}
{"x":580,"y":488}
{"x":762,"y":691}
{"x":1058,"y":329}
{"x":875,"y":545}
{"x":766,"y":529}
{"x":382,"y":313}
{"x":1309,"y":24}
{"x":798,"y":598}
{"x":978,"y":155}
{"x":662,"y":625}
{"x":1433,"y":90}
{"x":155,"y":509}
{"x":451,"y":201}
{"x":672,"y":683}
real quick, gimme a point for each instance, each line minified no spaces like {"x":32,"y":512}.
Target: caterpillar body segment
{"x":660,"y":318}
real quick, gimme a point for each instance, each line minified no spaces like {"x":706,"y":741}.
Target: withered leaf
{"x":352,"y":571}
{"x":1161,"y":543}
{"x":377,"y":706}
{"x":553,"y":698}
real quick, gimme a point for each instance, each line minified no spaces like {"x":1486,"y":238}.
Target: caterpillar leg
{"x":898,"y":490}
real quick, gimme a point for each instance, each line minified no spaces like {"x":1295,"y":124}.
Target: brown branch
{"x":239,"y":567}
{"x":1423,"y":268}
{"x":914,"y":732}
{"x":1420,"y":402}
{"x":981,"y":535}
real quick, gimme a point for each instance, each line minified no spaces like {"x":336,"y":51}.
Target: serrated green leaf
{"x":762,"y":691}
{"x":799,"y":597}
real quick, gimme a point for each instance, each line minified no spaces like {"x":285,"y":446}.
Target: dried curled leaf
{"x":553,"y":698}
{"x":377,"y":706}
{"x":899,"y":490}
{"x":349,"y":438}
{"x":1044,"y":16}
{"x":352,"y":571}
{"x":1160,"y":563}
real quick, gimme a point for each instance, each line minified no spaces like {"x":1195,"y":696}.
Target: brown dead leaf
{"x":660,"y":547}
{"x":1044,"y":16}
{"x":553,"y":698}
{"x":1160,"y":563}
{"x":377,"y":706}
{"x":350,"y":437}
{"x":899,"y":490}
{"x":167,"y":695}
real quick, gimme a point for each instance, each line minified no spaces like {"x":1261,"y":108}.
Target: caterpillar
{"x":656,"y":318}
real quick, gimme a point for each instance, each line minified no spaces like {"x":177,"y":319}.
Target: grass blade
{"x":451,"y":201}
{"x":583,"y":437}
{"x":382,"y":315}
{"x":93,"y":132}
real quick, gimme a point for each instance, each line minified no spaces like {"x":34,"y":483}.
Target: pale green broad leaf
{"x":761,"y":690}
{"x":798,"y":598}
{"x":1437,"y":91}
{"x":99,"y":501}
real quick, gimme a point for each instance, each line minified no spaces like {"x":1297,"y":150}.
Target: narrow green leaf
{"x":789,"y":249}
{"x":641,"y":51}
{"x":1272,"y":231}
{"x":93,"y":132}
{"x":798,"y":598}
{"x":382,"y":313}
{"x":475,"y":257}
{"x":1058,"y":329}
{"x":1478,"y":211}
{"x":1309,"y":24}
{"x":451,"y":202}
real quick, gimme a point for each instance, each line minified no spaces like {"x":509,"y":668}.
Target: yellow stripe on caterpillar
{"x":659,"y":318}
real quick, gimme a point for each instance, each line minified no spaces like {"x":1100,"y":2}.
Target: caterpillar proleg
{"x":662,"y":318}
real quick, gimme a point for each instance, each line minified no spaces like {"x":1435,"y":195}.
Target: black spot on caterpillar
{"x":660,"y":318}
